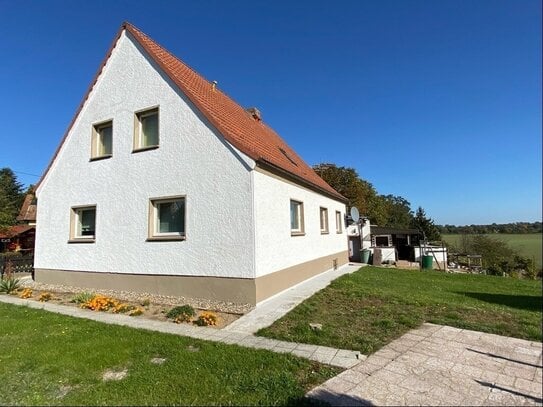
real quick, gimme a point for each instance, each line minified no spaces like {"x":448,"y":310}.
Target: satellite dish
{"x":355,"y":214}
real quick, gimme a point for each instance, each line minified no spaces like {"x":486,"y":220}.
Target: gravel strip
{"x":200,"y":303}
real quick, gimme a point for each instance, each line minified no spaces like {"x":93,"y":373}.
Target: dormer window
{"x":146,"y":130}
{"x":102,"y":140}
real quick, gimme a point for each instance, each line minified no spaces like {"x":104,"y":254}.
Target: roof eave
{"x":266,"y":165}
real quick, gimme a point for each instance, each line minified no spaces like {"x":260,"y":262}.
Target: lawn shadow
{"x":322,"y":397}
{"x":524,"y":302}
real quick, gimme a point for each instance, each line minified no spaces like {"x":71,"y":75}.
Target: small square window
{"x":296,"y":217}
{"x":146,"y":130}
{"x":338,"y":222}
{"x":381,"y":241}
{"x":167,"y":219}
{"x":102,"y":140}
{"x":324,"y":220}
{"x":83,"y":224}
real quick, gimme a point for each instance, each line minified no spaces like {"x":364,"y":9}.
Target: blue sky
{"x":436,"y":101}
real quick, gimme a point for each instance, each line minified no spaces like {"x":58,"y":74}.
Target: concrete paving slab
{"x":488,"y":370}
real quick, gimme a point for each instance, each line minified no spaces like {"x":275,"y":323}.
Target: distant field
{"x":527,"y":244}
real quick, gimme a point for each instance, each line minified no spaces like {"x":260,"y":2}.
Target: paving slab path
{"x":440,"y":365}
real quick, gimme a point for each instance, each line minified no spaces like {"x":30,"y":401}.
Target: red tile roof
{"x":253,"y":137}
{"x":28,"y":210}
{"x":15,"y":231}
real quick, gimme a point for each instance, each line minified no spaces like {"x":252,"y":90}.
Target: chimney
{"x":255,"y":113}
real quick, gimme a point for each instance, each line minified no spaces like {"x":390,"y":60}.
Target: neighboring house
{"x":18,"y":238}
{"x":164,"y":184}
{"x":27,"y":214}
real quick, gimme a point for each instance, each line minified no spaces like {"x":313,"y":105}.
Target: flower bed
{"x":145,"y":308}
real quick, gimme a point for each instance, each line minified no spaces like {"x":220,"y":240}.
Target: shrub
{"x":44,"y":297}
{"x":100,"y":303}
{"x":26,"y":293}
{"x":206,"y":319}
{"x":145,"y":302}
{"x":182,"y":313}
{"x":135,"y":312}
{"x":83,"y":297}
{"x":182,"y":318}
{"x":122,"y":308}
{"x":9,"y":285}
{"x":498,"y":258}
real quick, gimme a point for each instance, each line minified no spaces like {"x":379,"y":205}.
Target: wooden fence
{"x":24,"y":264}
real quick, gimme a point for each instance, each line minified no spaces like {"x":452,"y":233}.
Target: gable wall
{"x":191,"y":161}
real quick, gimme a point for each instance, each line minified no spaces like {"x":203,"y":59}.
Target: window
{"x":338,"y":222}
{"x":102,"y":140}
{"x":381,"y":241}
{"x":324,"y":220}
{"x":83,"y":224}
{"x":167,"y":219}
{"x":146,"y":130}
{"x":296,"y":218}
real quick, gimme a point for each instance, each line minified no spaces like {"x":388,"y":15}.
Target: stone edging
{"x":323,"y":354}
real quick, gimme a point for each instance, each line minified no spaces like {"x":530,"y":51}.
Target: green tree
{"x":11,"y":197}
{"x":382,"y":210}
{"x":346,"y":181}
{"x":397,"y":211}
{"x":425,"y":225}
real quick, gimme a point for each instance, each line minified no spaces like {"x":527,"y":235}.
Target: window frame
{"x":339,"y":223}
{"x":375,"y":237}
{"x":300,"y":213}
{"x":326,"y":229}
{"x":75,"y":221}
{"x":95,"y":137}
{"x":153,"y":220}
{"x":138,"y":133}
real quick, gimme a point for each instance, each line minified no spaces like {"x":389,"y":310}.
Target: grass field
{"x":373,"y":306}
{"x":51,"y":359}
{"x":529,"y":245}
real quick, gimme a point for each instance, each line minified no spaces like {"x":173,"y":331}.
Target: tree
{"x":397,"y":211}
{"x":11,"y":197}
{"x":346,"y":181}
{"x":425,"y":225}
{"x":382,"y":210}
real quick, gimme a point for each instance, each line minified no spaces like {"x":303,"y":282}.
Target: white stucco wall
{"x":190,"y":161}
{"x":275,"y":248}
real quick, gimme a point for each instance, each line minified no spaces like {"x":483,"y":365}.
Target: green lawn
{"x":371,"y":307}
{"x":529,"y":245}
{"x":50,"y":359}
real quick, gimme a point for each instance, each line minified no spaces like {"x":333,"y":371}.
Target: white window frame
{"x":154,"y":221}
{"x":339,"y":223}
{"x":97,"y":135}
{"x":138,"y":128}
{"x":76,"y":235}
{"x":300,"y":214}
{"x":324,"y":220}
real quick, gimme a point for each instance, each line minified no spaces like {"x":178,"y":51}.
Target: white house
{"x":164,"y":184}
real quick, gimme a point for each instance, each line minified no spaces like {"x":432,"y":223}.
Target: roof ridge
{"x":127,"y":24}
{"x":254,"y":138}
